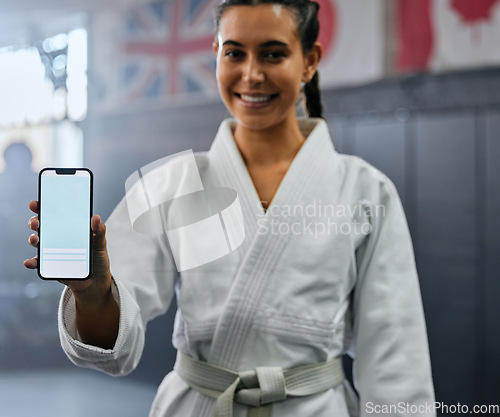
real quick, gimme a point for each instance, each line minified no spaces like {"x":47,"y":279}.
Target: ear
{"x":311,"y":62}
{"x":215,"y":47}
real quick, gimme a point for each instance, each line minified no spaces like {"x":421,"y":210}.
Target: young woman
{"x":326,"y":267}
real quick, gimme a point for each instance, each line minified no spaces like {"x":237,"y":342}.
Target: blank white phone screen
{"x":65,"y":225}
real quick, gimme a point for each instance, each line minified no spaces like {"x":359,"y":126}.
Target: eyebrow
{"x":264,"y":45}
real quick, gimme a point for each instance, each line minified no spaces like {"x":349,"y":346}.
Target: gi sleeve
{"x":144,"y":276}
{"x":392,"y":371}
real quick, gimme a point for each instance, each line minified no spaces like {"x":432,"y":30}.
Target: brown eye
{"x":236,"y":54}
{"x":274,"y":55}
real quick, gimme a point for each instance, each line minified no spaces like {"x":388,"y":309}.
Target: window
{"x":44,"y":96}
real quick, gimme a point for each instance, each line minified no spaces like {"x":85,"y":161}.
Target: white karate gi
{"x":328,"y":269}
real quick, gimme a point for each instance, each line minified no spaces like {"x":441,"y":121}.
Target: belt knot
{"x":257,"y":388}
{"x":263,"y":386}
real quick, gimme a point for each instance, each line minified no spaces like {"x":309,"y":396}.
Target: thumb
{"x":99,"y":229}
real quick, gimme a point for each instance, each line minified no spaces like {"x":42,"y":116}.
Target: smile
{"x":256,"y":99}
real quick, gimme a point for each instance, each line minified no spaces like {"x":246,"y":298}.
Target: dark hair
{"x":306,"y":13}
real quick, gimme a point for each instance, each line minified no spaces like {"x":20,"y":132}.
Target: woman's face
{"x":260,"y":64}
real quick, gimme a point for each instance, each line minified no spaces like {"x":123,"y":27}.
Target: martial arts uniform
{"x":327,"y":270}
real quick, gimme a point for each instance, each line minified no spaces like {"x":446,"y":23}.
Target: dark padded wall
{"x":445,"y":239}
{"x":383,"y":145}
{"x":490,"y":260}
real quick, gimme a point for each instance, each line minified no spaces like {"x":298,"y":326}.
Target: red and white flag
{"x":352,"y":35}
{"x":440,"y":35}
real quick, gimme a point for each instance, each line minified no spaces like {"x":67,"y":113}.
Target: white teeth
{"x":255,"y":99}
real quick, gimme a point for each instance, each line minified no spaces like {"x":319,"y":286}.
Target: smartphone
{"x":64,"y":212}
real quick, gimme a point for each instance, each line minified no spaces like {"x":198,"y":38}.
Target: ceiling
{"x":24,"y":21}
{"x":17,"y":7}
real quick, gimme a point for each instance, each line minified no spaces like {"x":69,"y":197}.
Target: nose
{"x":253,"y":72}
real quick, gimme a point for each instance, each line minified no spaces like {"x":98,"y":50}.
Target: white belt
{"x":257,"y":388}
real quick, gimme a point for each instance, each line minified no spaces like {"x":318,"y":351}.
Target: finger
{"x":97,"y":224}
{"x":33,"y":240}
{"x":31,"y":263}
{"x":99,"y":229}
{"x":33,"y":223}
{"x":33,"y":205}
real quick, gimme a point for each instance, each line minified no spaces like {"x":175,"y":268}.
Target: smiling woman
{"x":259,"y":76}
{"x":263,"y":329}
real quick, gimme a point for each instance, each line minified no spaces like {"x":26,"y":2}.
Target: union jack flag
{"x":167,"y":51}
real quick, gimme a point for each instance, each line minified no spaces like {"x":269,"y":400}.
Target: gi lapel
{"x":231,"y":172}
{"x":261,"y":250}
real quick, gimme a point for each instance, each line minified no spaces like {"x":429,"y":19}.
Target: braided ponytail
{"x":313,"y":97}
{"x":306,"y":13}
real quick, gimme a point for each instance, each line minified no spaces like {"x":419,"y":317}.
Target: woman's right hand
{"x":97,"y":312}
{"x":94,"y":289}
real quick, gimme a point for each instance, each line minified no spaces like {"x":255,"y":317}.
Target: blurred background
{"x":412,"y":86}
